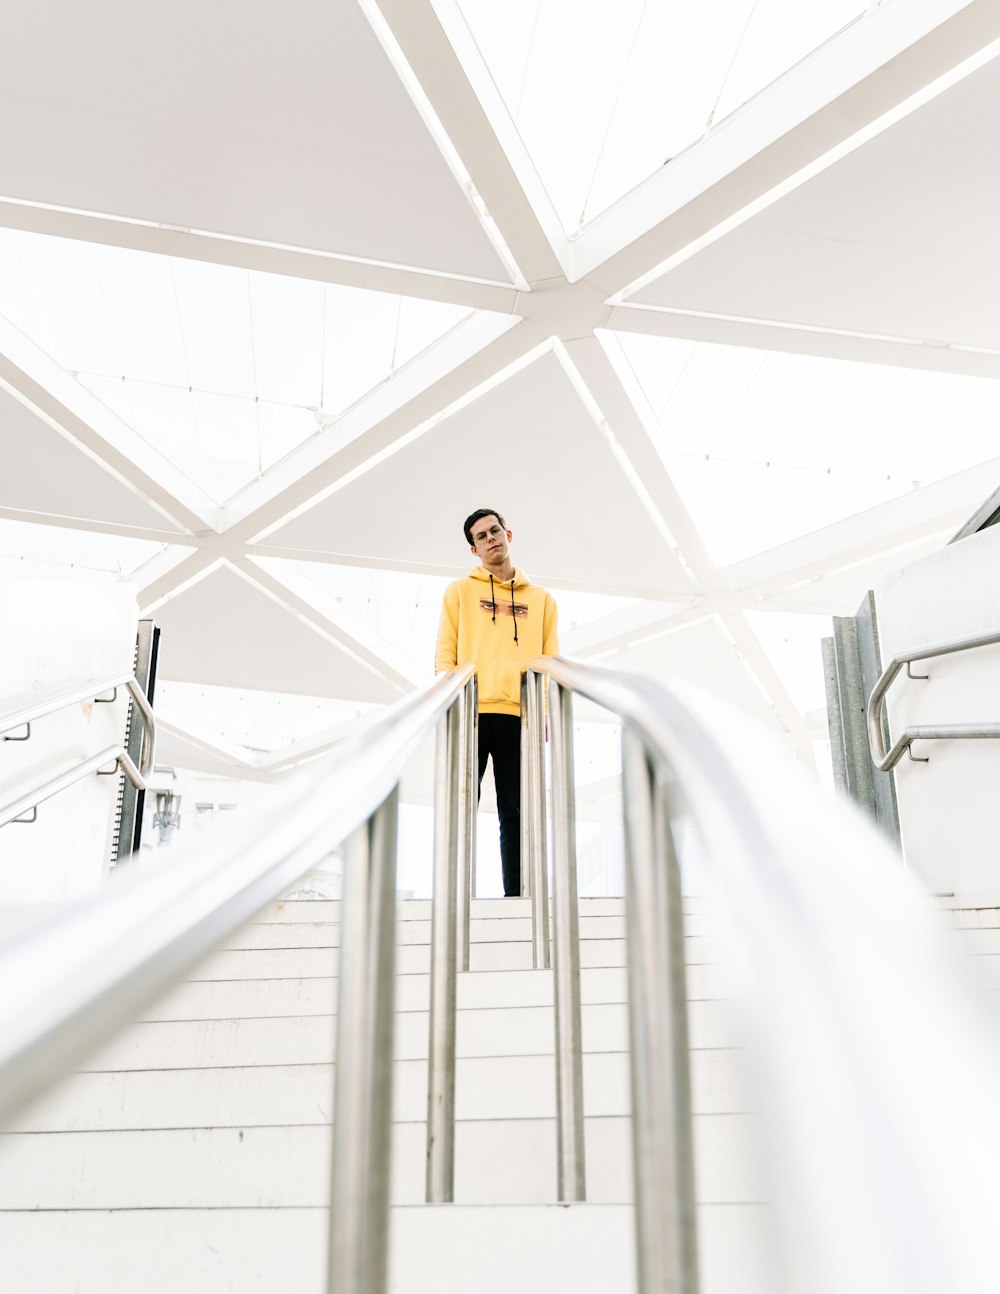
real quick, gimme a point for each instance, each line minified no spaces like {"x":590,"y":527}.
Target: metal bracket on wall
{"x":910,"y":674}
{"x":107,"y":700}
{"x":34,"y":811}
{"x":27,"y":734}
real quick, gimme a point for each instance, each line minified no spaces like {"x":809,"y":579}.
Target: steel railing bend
{"x":885,"y":760}
{"x":32,"y":714}
{"x":70,"y":982}
{"x":795,"y":869}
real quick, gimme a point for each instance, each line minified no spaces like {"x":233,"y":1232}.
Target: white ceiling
{"x":285,"y":123}
{"x":897,"y":239}
{"x":652,"y":455}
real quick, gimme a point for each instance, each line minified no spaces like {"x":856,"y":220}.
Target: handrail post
{"x":662,"y":1146}
{"x":527,"y":789}
{"x":444,"y":964}
{"x":566,"y":956}
{"x":534,"y":757}
{"x":362,"y":1126}
{"x":468,"y":746}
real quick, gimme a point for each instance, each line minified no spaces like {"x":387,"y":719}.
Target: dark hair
{"x":478,"y":516}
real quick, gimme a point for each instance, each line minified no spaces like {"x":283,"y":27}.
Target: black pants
{"x":500,"y":736}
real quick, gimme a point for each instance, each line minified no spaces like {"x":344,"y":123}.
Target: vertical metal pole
{"x":566,"y":955}
{"x":527,"y":787}
{"x":662,"y":1149}
{"x":466,"y":818}
{"x":474,"y":797}
{"x":362,"y":1126}
{"x":444,"y":965}
{"x":533,"y":755}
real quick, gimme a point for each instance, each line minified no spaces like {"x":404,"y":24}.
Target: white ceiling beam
{"x":294,"y":262}
{"x":309,"y":602}
{"x":467,"y":104}
{"x":114,"y":528}
{"x":768,"y":680}
{"x":883,"y":59}
{"x":358,"y":440}
{"x":936,"y":507}
{"x":41,"y":384}
{"x":446,"y":371}
{"x":631,"y":422}
{"x":358,"y":443}
{"x":762,"y":334}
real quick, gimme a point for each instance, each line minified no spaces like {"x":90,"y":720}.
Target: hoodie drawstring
{"x":513,"y":608}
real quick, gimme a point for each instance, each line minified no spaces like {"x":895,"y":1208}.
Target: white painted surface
{"x":67,"y":634}
{"x":447,"y":1250}
{"x":223,"y":1113}
{"x":947,"y":807}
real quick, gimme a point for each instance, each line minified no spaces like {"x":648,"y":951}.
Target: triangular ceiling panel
{"x":529,"y":447}
{"x":897,"y":239}
{"x":45,"y":472}
{"x":223,"y":630}
{"x":281,"y":123}
{"x":223,"y":370}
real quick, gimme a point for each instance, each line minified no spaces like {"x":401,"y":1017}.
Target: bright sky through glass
{"x":604,"y":95}
{"x":222,"y":369}
{"x":50,"y":552}
{"x":765,"y":447}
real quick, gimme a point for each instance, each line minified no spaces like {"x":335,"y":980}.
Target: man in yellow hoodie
{"x":499,"y":621}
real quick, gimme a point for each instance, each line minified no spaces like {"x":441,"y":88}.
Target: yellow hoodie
{"x":499,"y":625}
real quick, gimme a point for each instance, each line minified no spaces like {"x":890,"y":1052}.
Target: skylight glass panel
{"x":605,"y":95}
{"x":765,"y":447}
{"x":54,"y":552}
{"x":223,"y":370}
{"x":792,"y":642}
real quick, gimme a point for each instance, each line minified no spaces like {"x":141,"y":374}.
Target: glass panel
{"x":765,"y":447}
{"x":224,"y":370}
{"x":52,"y":552}
{"x":604,"y":95}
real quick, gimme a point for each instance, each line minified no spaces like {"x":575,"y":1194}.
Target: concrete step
{"x":451,"y":1249}
{"x":222,"y":999}
{"x":974,"y":918}
{"x":486,"y":1087}
{"x":415,"y":959}
{"x":311,"y":1039}
{"x":326,"y":934}
{"x":297,"y":910}
{"x":496,"y":1161}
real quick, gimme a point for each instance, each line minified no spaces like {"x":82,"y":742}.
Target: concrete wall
{"x":56,"y":636}
{"x":948,"y":808}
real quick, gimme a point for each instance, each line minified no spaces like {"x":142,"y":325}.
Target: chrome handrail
{"x":38,"y":710}
{"x":13,"y":809}
{"x":849,"y":991}
{"x":69,"y":983}
{"x":886,"y":760}
{"x":662,"y":1130}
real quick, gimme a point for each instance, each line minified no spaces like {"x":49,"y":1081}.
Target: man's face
{"x":490,"y":542}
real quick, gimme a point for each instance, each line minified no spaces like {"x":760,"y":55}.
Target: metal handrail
{"x":662,"y":1130}
{"x":13,"y":809}
{"x":69,"y":983}
{"x":38,"y":710}
{"x":879,"y":1066}
{"x":886,"y":760}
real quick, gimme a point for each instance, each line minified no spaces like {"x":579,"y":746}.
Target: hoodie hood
{"x":481,"y":573}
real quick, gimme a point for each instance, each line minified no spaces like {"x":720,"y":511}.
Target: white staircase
{"x":192,"y":1154}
